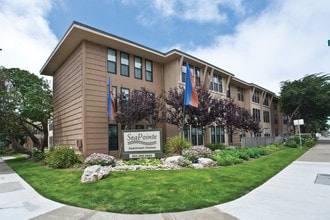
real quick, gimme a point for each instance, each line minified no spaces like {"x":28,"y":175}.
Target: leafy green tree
{"x":307,"y":98}
{"x":25,"y":107}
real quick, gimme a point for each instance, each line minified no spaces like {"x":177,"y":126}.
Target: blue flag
{"x":190,"y":93}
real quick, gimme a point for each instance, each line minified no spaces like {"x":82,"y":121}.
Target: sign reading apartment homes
{"x":142,"y":144}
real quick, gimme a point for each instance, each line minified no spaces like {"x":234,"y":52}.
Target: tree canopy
{"x":25,"y":106}
{"x":141,"y":104}
{"x":210,"y":111}
{"x":307,"y":98}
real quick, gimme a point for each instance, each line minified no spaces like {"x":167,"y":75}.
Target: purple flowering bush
{"x":100,"y":159}
{"x":196,"y":152}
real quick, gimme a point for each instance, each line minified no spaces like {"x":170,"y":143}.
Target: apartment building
{"x":84,"y":59}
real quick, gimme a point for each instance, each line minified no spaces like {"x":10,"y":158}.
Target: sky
{"x":264,"y":42}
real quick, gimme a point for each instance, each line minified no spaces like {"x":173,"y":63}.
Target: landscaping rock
{"x":198,"y":166}
{"x":94,"y":173}
{"x":174,"y":159}
{"x":207,"y":162}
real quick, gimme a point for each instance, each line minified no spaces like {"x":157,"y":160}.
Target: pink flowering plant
{"x":100,"y":159}
{"x":196,"y":152}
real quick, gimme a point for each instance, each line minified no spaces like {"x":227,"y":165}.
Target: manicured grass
{"x":154,"y":191}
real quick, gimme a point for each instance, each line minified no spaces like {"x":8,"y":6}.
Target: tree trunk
{"x":19,"y":148}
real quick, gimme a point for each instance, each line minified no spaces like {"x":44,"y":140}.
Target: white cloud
{"x":200,"y":11}
{"x":285,"y":42}
{"x":26,"y":39}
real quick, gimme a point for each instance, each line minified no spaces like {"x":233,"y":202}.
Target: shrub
{"x":253,"y":153}
{"x":38,"y":154}
{"x":196,"y":152}
{"x":143,"y":162}
{"x":173,"y":144}
{"x":62,"y":157}
{"x":216,"y":146}
{"x":226,"y":158}
{"x":6,"y":150}
{"x":183,"y":162}
{"x":291,"y":143}
{"x":243,"y":154}
{"x":100,"y":159}
{"x":310,"y":142}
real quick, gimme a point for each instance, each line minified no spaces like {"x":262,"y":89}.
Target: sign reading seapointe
{"x":140,"y":143}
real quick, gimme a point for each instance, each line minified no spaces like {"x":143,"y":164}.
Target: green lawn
{"x":154,"y":191}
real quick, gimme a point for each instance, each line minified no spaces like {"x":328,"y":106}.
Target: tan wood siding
{"x":96,"y":123}
{"x":68,"y":101}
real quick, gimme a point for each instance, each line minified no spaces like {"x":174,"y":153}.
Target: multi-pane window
{"x":113,"y":137}
{"x":111,"y":64}
{"x":217,"y":134}
{"x":196,"y":136}
{"x":124,"y":97}
{"x":124,"y":64}
{"x":256,"y":97}
{"x":256,"y":114}
{"x":183,"y":72}
{"x":266,"y":116}
{"x":240,"y":94}
{"x":138,"y":67}
{"x":149,"y":74}
{"x":216,"y":83}
{"x":266,"y":101}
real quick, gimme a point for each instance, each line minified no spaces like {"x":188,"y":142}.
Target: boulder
{"x":94,"y":173}
{"x":198,"y":166}
{"x":207,"y":162}
{"x":174,"y":159}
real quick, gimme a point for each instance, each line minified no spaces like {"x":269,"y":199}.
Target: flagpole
{"x":182,"y":127}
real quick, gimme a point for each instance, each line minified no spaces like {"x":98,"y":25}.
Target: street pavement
{"x":300,"y":191}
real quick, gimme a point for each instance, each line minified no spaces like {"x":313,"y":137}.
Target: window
{"x":139,"y":127}
{"x":217,"y":134}
{"x":228,"y":92}
{"x":183,"y":72}
{"x":266,"y":101}
{"x":124,"y":64}
{"x":285,"y":119}
{"x":138,"y":67}
{"x":267,"y":132}
{"x":198,"y":76}
{"x":113,"y":137}
{"x":240,"y":94}
{"x":124,"y":97}
{"x":193,"y":135}
{"x":266,"y":117}
{"x":149,"y":74}
{"x":186,"y":131}
{"x":112,"y":61}
{"x":50,"y":125}
{"x":149,"y":127}
{"x":256,"y":97}
{"x":216,"y":83}
{"x":256,"y":114}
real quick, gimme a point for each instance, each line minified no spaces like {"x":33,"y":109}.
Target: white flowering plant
{"x":100,"y":159}
{"x":196,"y":152}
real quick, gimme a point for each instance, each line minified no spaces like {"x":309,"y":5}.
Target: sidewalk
{"x":297,"y":192}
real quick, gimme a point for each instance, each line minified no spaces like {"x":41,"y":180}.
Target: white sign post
{"x":299,"y":122}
